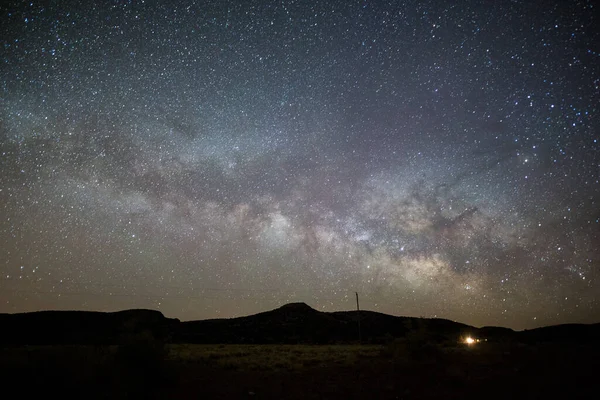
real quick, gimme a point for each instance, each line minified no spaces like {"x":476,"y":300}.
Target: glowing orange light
{"x":469,"y":340}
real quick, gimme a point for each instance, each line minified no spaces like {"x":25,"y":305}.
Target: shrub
{"x":140,"y":364}
{"x":417,"y":345}
{"x":142,"y":350}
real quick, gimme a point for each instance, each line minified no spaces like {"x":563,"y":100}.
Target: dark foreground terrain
{"x":403,"y":369}
{"x":293,"y":352}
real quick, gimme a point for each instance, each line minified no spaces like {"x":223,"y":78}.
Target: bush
{"x":140,"y":364}
{"x":417,"y":345}
{"x":142,"y":350}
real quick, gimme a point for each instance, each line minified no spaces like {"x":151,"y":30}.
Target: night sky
{"x":222,"y":158}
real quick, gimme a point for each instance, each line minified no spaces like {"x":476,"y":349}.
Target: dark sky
{"x":221,"y":158}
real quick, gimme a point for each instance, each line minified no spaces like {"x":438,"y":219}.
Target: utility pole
{"x":358,"y":315}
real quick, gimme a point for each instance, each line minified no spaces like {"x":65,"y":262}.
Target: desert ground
{"x":400,"y":369}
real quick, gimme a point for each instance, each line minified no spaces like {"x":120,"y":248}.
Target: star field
{"x":220,"y":158}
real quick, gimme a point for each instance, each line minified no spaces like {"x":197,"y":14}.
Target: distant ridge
{"x":82,"y":327}
{"x":291,"y":323}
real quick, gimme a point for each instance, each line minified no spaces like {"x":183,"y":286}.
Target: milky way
{"x":223,"y":158}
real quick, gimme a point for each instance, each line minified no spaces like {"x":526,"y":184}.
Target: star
{"x":441,"y":161}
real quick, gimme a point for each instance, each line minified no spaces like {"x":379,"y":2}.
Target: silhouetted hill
{"x":299,"y":323}
{"x":497,"y":333}
{"x":578,"y":333}
{"x":291,"y":323}
{"x":81,"y":327}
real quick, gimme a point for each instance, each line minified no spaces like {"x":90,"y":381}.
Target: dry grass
{"x":271,"y":357}
{"x":402,"y":369}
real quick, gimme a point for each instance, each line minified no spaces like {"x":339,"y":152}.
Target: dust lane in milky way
{"x":215,"y":159}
